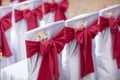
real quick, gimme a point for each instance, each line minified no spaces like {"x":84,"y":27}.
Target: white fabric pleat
{"x":71,"y":52}
{"x":17,"y":71}
{"x":51,"y":30}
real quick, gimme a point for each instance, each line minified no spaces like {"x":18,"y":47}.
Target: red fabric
{"x":84,"y":38}
{"x":11,"y":0}
{"x":59,"y":9}
{"x":0,"y":2}
{"x":113,"y":24}
{"x":49,"y":51}
{"x":0,"y":40}
{"x":5,"y":24}
{"x":29,"y":16}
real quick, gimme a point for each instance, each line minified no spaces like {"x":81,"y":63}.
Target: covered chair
{"x":44,"y":46}
{"x":107,"y":44}
{"x":79,"y":61}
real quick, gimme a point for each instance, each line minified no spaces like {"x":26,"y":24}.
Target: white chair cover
{"x":19,"y":29}
{"x":106,"y":66}
{"x":7,"y":60}
{"x":17,"y":71}
{"x":34,"y":62}
{"x":71,"y":61}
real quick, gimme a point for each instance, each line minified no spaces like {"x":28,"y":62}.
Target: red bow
{"x":49,"y":51}
{"x":115,"y":35}
{"x":59,"y":9}
{"x":30,"y":16}
{"x":5,"y":24}
{"x":84,"y":38}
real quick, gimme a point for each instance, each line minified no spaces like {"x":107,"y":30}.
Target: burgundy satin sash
{"x":113,"y":24}
{"x":84,"y":38}
{"x":49,"y":51}
{"x":0,"y":2}
{"x":5,"y":24}
{"x":29,"y":16}
{"x":59,"y":8}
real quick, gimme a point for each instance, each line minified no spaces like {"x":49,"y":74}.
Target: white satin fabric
{"x":13,"y":2}
{"x":71,"y":52}
{"x":106,"y":66}
{"x":51,"y":30}
{"x":6,"y":60}
{"x":19,"y":29}
{"x":17,"y":71}
{"x":49,"y":17}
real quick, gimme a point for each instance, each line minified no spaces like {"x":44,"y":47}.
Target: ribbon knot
{"x":27,"y":13}
{"x":59,"y":8}
{"x":54,"y":7}
{"x":80,"y":33}
{"x":30,"y":16}
{"x":45,"y":47}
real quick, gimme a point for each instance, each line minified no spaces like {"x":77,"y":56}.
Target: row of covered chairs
{"x":85,"y":47}
{"x":17,"y":18}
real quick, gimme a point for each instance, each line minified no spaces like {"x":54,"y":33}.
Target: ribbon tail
{"x":86,"y":58}
{"x":116,"y":43}
{"x":0,"y":2}
{"x":60,"y":15}
{"x":0,"y":40}
{"x":5,"y":47}
{"x":55,"y":59}
{"x":118,"y":62}
{"x":116,"y":46}
{"x":82,"y":62}
{"x":45,"y":71}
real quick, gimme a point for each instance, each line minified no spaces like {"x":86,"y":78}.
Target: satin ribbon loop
{"x":103,"y":24}
{"x":69,"y":34}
